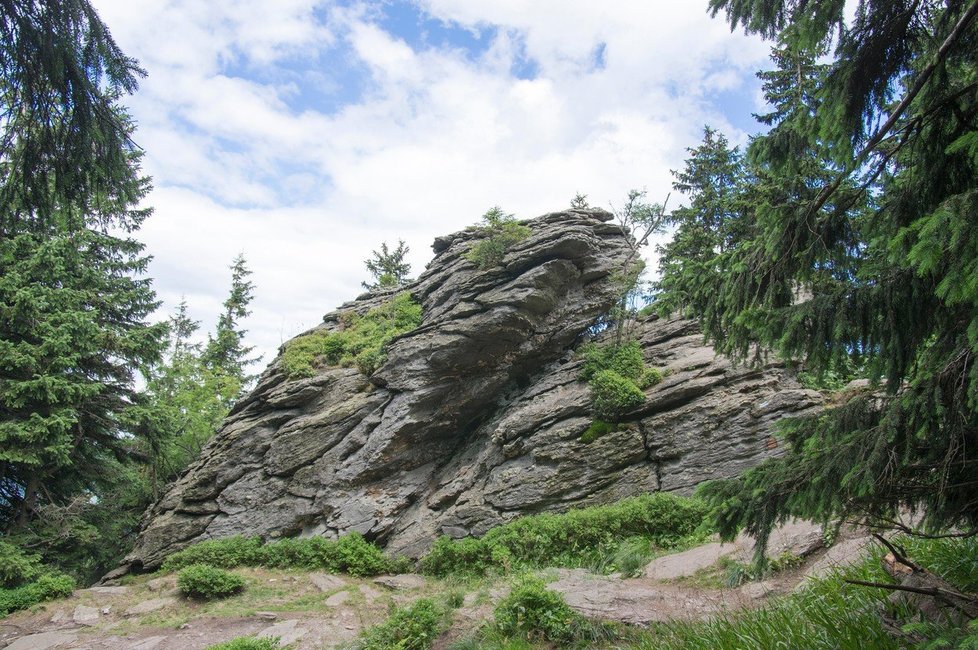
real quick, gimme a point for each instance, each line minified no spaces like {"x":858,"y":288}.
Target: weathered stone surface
{"x":85,"y":615}
{"x":43,"y":641}
{"x":148,"y":606}
{"x":476,"y":416}
{"x":327,"y":582}
{"x":403,"y":581}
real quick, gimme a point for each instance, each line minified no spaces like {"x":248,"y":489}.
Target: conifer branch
{"x":897,"y":113}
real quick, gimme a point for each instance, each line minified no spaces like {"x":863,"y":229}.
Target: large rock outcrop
{"x":476,"y":416}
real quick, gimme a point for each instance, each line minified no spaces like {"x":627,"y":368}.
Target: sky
{"x":303,"y":133}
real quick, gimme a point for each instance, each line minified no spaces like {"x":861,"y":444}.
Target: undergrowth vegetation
{"x":362,"y":342}
{"x":248,"y":643}
{"x":618,"y":376}
{"x":204,"y":582}
{"x":350,"y":554}
{"x":500,"y":231}
{"x":585,"y":537}
{"x":832,"y":614}
{"x":25,"y":581}
{"x":414,"y":627}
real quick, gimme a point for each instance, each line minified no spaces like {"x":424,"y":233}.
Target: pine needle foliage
{"x":64,"y":143}
{"x":856,"y":247}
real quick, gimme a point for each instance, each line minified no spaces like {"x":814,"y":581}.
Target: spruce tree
{"x":387,"y":267}
{"x":712,"y":180}
{"x":872,"y":254}
{"x":73,"y":295}
{"x":225,"y":353}
{"x":73,"y":332}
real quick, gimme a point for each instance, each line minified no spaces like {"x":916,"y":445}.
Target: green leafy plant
{"x":408,"y":628}
{"x":361,"y":343}
{"x":248,"y":643}
{"x":205,"y":582}
{"x":531,"y":611}
{"x":500,"y":232}
{"x":350,"y":554}
{"x":577,"y":538}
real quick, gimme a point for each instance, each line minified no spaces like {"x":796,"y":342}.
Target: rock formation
{"x":476,"y":415}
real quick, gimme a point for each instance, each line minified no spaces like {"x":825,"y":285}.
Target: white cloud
{"x":303,"y":134}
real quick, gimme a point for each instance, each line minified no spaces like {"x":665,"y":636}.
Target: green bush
{"x":577,"y":538}
{"x":350,"y":554}
{"x":650,"y":377}
{"x":625,"y":359}
{"x":408,"y":628}
{"x":361,"y":343}
{"x":500,"y":232}
{"x":531,"y":611}
{"x":248,"y":643}
{"x":613,"y":395}
{"x":42,"y":588}
{"x":597,"y":429}
{"x":206,"y":582}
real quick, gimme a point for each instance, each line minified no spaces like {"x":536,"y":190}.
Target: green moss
{"x":597,"y":429}
{"x":361,"y":343}
{"x":500,"y":232}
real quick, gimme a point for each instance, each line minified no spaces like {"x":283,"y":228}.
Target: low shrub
{"x":248,"y":643}
{"x":407,"y":628}
{"x":617,"y":375}
{"x":350,"y":554}
{"x":207,"y":583}
{"x":613,"y":395}
{"x":650,"y":377}
{"x":361,"y":343}
{"x":533,"y":612}
{"x":625,"y":360}
{"x":629,"y":558}
{"x":577,"y":538}
{"x":42,"y":588}
{"x":500,"y":232}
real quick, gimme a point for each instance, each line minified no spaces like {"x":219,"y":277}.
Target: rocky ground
{"x":316,"y":610}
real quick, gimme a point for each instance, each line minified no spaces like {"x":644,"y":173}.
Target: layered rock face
{"x":476,"y":415}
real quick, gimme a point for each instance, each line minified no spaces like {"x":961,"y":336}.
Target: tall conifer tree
{"x":872,"y":255}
